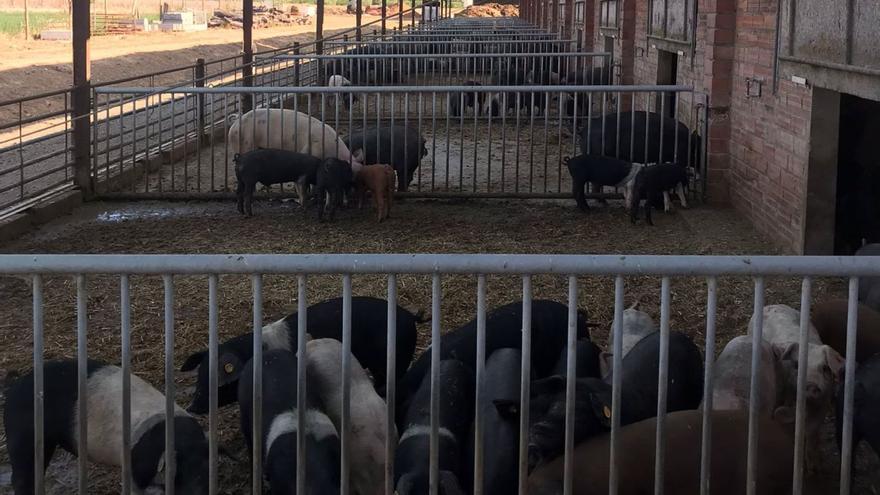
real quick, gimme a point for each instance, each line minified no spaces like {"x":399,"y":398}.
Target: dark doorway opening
{"x":857,"y":212}
{"x":667,"y":74}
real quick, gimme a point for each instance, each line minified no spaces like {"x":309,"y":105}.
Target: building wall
{"x":758,"y":146}
{"x":770,"y":138}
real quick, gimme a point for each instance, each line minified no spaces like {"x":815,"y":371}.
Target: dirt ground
{"x":415,"y":227}
{"x":33,"y":67}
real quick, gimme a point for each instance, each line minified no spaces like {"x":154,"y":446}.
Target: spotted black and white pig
{"x":599,"y":171}
{"x":684,"y":432}
{"x":411,"y":460}
{"x":500,"y":429}
{"x":652,"y":184}
{"x":324,"y":319}
{"x":272,"y":166}
{"x":869,"y":287}
{"x":400,"y":146}
{"x":459,"y":103}
{"x":635,"y":326}
{"x":105,"y":429}
{"x":503,"y":324}
{"x":279,"y":429}
{"x":287,"y":129}
{"x":368,"y":413}
{"x":866,"y":406}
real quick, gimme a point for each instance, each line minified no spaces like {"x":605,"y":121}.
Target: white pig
{"x":368,"y":413}
{"x":781,"y":328}
{"x":287,"y":129}
{"x":733,"y":372}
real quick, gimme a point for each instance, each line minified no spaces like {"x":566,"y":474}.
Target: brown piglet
{"x":379,"y":180}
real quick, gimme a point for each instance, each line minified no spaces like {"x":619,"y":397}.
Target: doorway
{"x":667,"y":75}
{"x":843,"y":180}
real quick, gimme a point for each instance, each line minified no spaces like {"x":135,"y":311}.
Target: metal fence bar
{"x":391,"y":385}
{"x":257,"y":465}
{"x":301,"y":381}
{"x":846,"y":448}
{"x":800,"y":408}
{"x":82,"y":374}
{"x":213,"y":344}
{"x":170,"y":458}
{"x":570,"y":376}
{"x":754,"y":388}
{"x":479,"y":450}
{"x":346,"y":385}
{"x":125,"y":317}
{"x":434,"y":454}
{"x":489,"y":264}
{"x":616,"y":386}
{"x":708,"y":386}
{"x":525,"y":382}
{"x":663,"y":374}
{"x":39,"y":401}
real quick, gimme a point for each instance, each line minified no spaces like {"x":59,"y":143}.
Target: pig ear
{"x":507,"y":408}
{"x":449,"y":484}
{"x":358,"y":155}
{"x":784,"y":415}
{"x":193,"y":361}
{"x":835,"y":361}
{"x":405,"y":484}
{"x":787,"y":352}
{"x":547,"y":386}
{"x":230,"y":368}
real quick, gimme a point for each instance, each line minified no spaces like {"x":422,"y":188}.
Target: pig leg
{"x":666,"y":202}
{"x":239,"y":194}
{"x":597,"y":189}
{"x":679,"y":191}
{"x":249,"y":199}
{"x":577,"y":190}
{"x":301,"y":191}
{"x":380,"y":205}
{"x":653,"y":196}
{"x":361,"y":194}
{"x":21,"y":455}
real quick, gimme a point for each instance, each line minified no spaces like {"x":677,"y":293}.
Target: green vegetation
{"x":12,"y":22}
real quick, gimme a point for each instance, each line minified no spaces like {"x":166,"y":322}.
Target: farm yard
{"x":522,"y":152}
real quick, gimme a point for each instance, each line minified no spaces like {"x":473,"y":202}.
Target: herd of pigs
{"x":499,"y":403}
{"x":643,"y":153}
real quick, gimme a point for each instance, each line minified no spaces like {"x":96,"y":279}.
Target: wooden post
{"x":27,"y":22}
{"x":200,"y":83}
{"x":319,"y":27}
{"x":357,"y":19}
{"x":400,"y":15}
{"x":384,"y":13}
{"x":80,"y":98}
{"x":248,"y":52}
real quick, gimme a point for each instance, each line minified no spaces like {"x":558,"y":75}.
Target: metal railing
{"x":518,"y":151}
{"x":36,"y":145}
{"x":570,"y":267}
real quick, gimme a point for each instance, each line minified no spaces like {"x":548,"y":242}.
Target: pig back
{"x":683,"y":458}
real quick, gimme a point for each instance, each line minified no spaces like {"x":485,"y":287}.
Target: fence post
{"x":200,"y":98}
{"x":296,"y":64}
{"x":400,"y":15}
{"x":81,"y":99}
{"x":384,"y":14}
{"x":358,"y":5}
{"x":247,"y":69}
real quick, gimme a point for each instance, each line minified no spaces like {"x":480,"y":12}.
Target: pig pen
{"x":518,"y":153}
{"x":416,"y":226}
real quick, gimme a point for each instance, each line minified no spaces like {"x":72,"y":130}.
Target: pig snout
{"x":813,"y":392}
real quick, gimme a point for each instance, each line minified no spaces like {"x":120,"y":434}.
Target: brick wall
{"x":769,"y":145}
